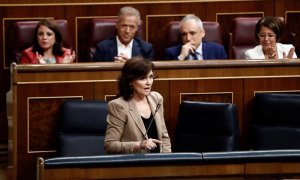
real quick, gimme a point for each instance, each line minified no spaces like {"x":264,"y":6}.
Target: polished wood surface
{"x":38,"y":91}
{"x":78,"y":2}
{"x":155,"y":15}
{"x":268,"y":170}
{"x":175,"y":171}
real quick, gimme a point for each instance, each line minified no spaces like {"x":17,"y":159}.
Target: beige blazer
{"x":125,"y":126}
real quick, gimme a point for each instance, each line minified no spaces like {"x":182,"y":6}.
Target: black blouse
{"x":152,"y":132}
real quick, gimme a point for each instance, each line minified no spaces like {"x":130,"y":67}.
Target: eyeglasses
{"x":263,"y":36}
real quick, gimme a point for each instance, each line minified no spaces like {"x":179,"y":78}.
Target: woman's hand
{"x":147,"y":144}
{"x":290,"y":54}
{"x":69,"y":58}
{"x":150,"y":144}
{"x":272,"y":53}
{"x":40,"y":58}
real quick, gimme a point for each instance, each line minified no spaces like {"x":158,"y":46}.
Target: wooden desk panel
{"x":277,"y":170}
{"x":37,"y":88}
{"x":209,"y":90}
{"x":227,"y":171}
{"x":266,"y":85}
{"x":155,"y":14}
{"x":38,"y":113}
{"x":267,"y":170}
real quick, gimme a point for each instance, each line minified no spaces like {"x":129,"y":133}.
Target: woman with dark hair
{"x":135,"y":119}
{"x":268,"y":32}
{"x":47,"y":46}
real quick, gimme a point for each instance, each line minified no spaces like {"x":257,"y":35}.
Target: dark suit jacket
{"x":210,"y":51}
{"x":106,"y":50}
{"x":125,"y":126}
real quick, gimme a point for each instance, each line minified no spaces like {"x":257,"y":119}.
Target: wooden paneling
{"x":35,"y":135}
{"x":277,"y":169}
{"x":156,"y":26}
{"x":154,"y":14}
{"x":40,"y":88}
{"x":199,"y":171}
{"x":292,"y":19}
{"x":180,"y":171}
{"x":225,"y":20}
{"x":43,"y":116}
{"x":7,"y":2}
{"x":275,"y":84}
{"x":208,"y":90}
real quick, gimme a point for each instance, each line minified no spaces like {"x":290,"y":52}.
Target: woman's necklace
{"x":51,"y":60}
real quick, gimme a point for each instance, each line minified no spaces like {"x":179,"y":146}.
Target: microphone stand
{"x":144,"y":135}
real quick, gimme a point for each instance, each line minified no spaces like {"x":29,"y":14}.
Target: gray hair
{"x":130,"y":11}
{"x":192,"y":17}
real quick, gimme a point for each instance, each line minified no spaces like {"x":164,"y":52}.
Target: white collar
{"x":119,"y":44}
{"x":199,"y":49}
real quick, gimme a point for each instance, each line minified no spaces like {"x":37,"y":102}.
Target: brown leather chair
{"x":212,"y":33}
{"x":101,"y":29}
{"x":243,"y":36}
{"x":23,"y":32}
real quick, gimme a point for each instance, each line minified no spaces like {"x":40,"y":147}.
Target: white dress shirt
{"x":126,"y":50}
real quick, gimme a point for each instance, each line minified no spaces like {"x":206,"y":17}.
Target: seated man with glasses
{"x":268,"y":32}
{"x":125,"y":45}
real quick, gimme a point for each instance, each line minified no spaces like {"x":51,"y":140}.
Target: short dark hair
{"x":274,"y":23}
{"x":133,"y":69}
{"x":57,"y":47}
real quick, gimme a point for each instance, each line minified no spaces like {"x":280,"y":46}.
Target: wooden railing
{"x":272,"y":164}
{"x":39,"y":90}
{"x":155,"y":15}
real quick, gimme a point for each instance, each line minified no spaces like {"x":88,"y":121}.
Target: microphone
{"x":144,"y":135}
